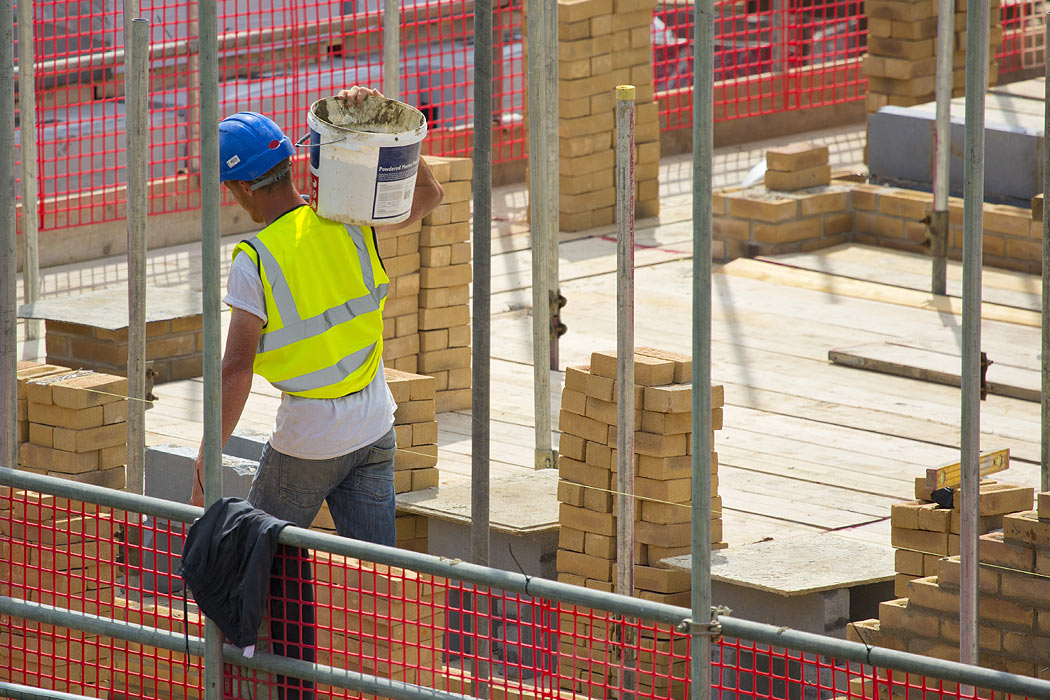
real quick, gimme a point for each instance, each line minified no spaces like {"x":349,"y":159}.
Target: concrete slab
{"x":814,"y":583}
{"x":520,"y":503}
{"x":108,"y":308}
{"x":799,"y":565}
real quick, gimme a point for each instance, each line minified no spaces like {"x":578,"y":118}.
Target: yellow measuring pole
{"x":951,"y":474}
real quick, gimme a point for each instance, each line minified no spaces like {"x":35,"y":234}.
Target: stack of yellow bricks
{"x":797,"y":166}
{"x":444,"y":287}
{"x":61,"y":554}
{"x":602,"y":44}
{"x":901,"y":64}
{"x":924,"y":533}
{"x":399,"y":250}
{"x":151,"y":672}
{"x":369,"y":618}
{"x":1014,"y":587}
{"x":77,"y":424}
{"x":385,"y":621}
{"x":663,"y":479}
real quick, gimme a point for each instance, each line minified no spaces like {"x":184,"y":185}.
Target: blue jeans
{"x":358,"y":486}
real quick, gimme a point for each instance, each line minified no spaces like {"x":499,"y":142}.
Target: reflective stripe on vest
{"x":305,"y":239}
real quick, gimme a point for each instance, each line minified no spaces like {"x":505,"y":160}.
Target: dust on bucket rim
{"x":378,"y":118}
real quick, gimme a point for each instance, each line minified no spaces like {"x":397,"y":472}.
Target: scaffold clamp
{"x":711,"y":629}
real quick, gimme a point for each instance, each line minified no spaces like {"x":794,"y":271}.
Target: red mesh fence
{"x":276,"y":57}
{"x":364,"y":617}
{"x":800,"y":54}
{"x":1022,"y":33}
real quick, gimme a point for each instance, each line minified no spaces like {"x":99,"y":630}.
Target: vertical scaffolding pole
{"x":939,"y":217}
{"x":703,"y":149}
{"x":550,"y":117}
{"x":210,"y":249}
{"x":1044,"y":358}
{"x":539,"y":221}
{"x":136,"y":101}
{"x":392,"y":49}
{"x":30,"y":174}
{"x":480,"y":385}
{"x":625,"y":95}
{"x":973,"y":239}
{"x":8,"y":246}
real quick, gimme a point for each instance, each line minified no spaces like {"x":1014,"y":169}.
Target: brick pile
{"x":901,"y":63}
{"x":26,"y":370}
{"x":77,"y":426}
{"x":602,"y":44}
{"x":797,"y":167}
{"x":150,"y":672}
{"x":175,"y":347}
{"x":444,"y":287}
{"x":663,"y":478}
{"x":58,"y":553}
{"x":388,"y":614}
{"x":924,"y":533}
{"x":399,"y":250}
{"x":1013,"y":587}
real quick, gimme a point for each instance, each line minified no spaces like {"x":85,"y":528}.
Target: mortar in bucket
{"x":364,"y":158}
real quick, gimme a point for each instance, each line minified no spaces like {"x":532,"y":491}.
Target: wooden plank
{"x":951,"y":474}
{"x":938,"y":367}
{"x":1026,"y":298}
{"x":845,"y":287}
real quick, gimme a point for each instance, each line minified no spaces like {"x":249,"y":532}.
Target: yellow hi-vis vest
{"x":325,"y":291}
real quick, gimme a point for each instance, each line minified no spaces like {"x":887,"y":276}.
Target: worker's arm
{"x":237,"y":364}
{"x":425,"y":198}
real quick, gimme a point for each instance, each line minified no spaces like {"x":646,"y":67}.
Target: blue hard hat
{"x":249,"y":145}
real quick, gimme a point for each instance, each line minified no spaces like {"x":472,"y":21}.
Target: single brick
{"x":791,"y":181}
{"x":767,"y":210}
{"x":796,"y":156}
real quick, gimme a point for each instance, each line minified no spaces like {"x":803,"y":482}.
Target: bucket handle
{"x":301,"y":143}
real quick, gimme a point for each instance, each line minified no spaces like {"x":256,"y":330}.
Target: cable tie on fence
{"x":863,"y":641}
{"x":528,"y":578}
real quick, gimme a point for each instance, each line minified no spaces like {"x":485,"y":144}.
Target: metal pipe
{"x":939,"y":219}
{"x":136,"y":91}
{"x":1044,"y":361}
{"x":25,"y":692}
{"x":540,"y":237}
{"x":782,"y":637}
{"x":482,"y":332}
{"x":261,"y":661}
{"x":973,"y":238}
{"x":625,"y":95}
{"x":841,"y":650}
{"x":30,"y":172}
{"x":8,"y":247}
{"x":551,"y":125}
{"x":392,"y":49}
{"x":703,"y":154}
{"x":207,"y":16}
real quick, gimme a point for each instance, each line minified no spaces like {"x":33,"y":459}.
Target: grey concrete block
{"x":901,"y":143}
{"x":246,"y":444}
{"x":169,"y":473}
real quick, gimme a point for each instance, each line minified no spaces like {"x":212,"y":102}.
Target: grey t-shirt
{"x":315,"y":428}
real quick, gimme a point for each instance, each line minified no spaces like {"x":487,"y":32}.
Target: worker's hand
{"x":197,"y":493}
{"x":357,"y":94}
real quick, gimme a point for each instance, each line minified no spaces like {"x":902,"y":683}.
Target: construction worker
{"x":306,"y":297}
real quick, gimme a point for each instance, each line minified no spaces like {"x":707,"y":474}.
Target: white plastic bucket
{"x":363,"y":159}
